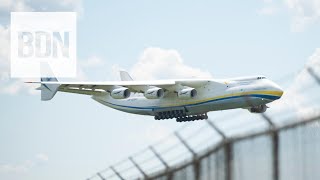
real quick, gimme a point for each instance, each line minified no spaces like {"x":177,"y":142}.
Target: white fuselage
{"x":215,"y":95}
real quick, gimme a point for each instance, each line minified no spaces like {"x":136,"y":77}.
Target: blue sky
{"x":71,"y":137}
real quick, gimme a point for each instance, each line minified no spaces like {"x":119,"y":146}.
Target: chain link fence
{"x":286,"y":146}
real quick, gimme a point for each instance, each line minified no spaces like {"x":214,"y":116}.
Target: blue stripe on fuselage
{"x":269,"y":97}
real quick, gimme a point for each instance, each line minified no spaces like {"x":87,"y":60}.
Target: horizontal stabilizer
{"x":48,"y":90}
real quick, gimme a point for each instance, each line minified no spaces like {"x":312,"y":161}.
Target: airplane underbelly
{"x":126,"y":108}
{"x":189,"y":107}
{"x":228,"y":103}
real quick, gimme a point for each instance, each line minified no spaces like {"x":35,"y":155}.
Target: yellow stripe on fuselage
{"x":272,"y":93}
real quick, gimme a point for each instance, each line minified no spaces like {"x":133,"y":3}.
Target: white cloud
{"x":304,"y":79}
{"x":7,"y":6}
{"x":14,"y":86}
{"x":297,"y":96}
{"x":7,"y":85}
{"x":4,"y":52}
{"x":16,"y":168}
{"x":157,"y":63}
{"x":26,"y":166}
{"x":304,"y":13}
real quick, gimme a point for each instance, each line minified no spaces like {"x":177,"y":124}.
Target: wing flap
{"x":134,"y":86}
{"x":82,"y":91}
{"x":93,"y":88}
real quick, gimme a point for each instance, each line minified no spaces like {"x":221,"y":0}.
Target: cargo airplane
{"x":184,"y":99}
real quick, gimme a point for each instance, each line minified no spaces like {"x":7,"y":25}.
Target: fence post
{"x":275,"y":152}
{"x":169,"y":174}
{"x":185,"y":144}
{"x":216,"y":129}
{"x":228,"y":160}
{"x":196,"y":163}
{"x":275,"y":146}
{"x":228,"y":152}
{"x":138,"y":167}
{"x":313,"y":74}
{"x":102,"y":178}
{"x":159,"y":157}
{"x":116,"y":172}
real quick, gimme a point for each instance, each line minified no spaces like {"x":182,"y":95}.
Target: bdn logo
{"x":41,"y":44}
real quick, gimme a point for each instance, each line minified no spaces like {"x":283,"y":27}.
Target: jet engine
{"x":187,"y":93}
{"x":258,"y":109}
{"x":120,"y":93}
{"x":154,"y":93}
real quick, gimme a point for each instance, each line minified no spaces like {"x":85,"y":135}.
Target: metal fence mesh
{"x":253,"y":158}
{"x":212,"y":167}
{"x":278,"y":145}
{"x":300,"y":152}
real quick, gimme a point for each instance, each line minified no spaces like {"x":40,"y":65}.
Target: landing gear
{"x":180,"y":116}
{"x":258,"y":109}
{"x":192,"y":118}
{"x":169,"y":114}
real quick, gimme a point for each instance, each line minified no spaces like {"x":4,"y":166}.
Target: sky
{"x":72,"y":136}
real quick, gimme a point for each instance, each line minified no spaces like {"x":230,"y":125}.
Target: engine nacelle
{"x":258,"y":109}
{"x":154,"y":93}
{"x":187,"y":93}
{"x":120,"y":93}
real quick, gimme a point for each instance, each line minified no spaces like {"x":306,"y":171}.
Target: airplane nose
{"x":278,"y":89}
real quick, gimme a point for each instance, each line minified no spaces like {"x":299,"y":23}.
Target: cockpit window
{"x":261,"y":78}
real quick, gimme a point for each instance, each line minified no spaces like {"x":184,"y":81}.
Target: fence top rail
{"x":218,"y":146}
{"x":205,"y":153}
{"x":290,"y":125}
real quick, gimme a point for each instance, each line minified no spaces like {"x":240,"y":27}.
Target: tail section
{"x":48,"y":90}
{"x":124,"y":76}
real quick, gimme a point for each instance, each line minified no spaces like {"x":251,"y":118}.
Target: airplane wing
{"x":49,"y":88}
{"x":134,"y":86}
